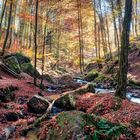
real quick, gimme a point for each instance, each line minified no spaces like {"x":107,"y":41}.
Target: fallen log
{"x":38,"y":121}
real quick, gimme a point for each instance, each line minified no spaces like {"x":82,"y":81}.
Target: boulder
{"x":68,"y":100}
{"x":12,"y":64}
{"x":65,"y":79}
{"x":76,"y":125}
{"x":22,"y":58}
{"x":94,"y":65}
{"x":29,"y":69}
{"x":48,"y":78}
{"x":91,"y":75}
{"x":12,"y":116}
{"x":6,"y":95}
{"x":38,"y":104}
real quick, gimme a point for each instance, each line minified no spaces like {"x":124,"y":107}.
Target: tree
{"x":35,"y":38}
{"x":2,"y":14}
{"x":123,"y":63}
{"x":8,"y":28}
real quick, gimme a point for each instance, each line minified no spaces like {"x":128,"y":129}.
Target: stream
{"x":130,"y":95}
{"x":133,"y":96}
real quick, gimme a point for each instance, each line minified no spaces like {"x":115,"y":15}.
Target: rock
{"x":91,"y":88}
{"x":38,"y":104}
{"x":29,"y":69}
{"x":91,"y":75}
{"x":22,"y":58}
{"x":13,"y":64}
{"x":94,"y":65}
{"x":9,"y":131}
{"x":68,"y":101}
{"x":65,"y":79}
{"x":76,"y":125}
{"x":12,"y":116}
{"x":48,"y":78}
{"x":7,"y":94}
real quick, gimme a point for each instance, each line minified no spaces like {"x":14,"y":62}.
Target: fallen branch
{"x":38,"y":121}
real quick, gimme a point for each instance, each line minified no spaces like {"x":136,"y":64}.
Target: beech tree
{"x":8,"y":28}
{"x":123,"y":62}
{"x":35,"y":39}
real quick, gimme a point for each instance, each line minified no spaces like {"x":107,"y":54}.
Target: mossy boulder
{"x":68,"y":101}
{"x":65,"y":79}
{"x":78,"y":125}
{"x":12,"y":63}
{"x":22,"y":58}
{"x":7,"y":94}
{"x":29,"y":69}
{"x":98,"y":64}
{"x":101,"y":77}
{"x":91,"y":75}
{"x":38,"y":104}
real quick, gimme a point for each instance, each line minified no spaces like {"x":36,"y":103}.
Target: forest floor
{"x":16,"y":116}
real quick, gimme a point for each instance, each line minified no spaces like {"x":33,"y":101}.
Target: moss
{"x":91,"y":88}
{"x":133,"y":83}
{"x":13,"y":64}
{"x":79,"y":125}
{"x":69,"y":123}
{"x":29,"y":69}
{"x":66,"y":102}
{"x":7,"y":94}
{"x":91,"y":75}
{"x":22,"y":58}
{"x":101,"y":77}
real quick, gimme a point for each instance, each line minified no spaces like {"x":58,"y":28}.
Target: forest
{"x":69,"y":69}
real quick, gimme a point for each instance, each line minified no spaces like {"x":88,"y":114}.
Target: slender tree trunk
{"x":43,"y":54}
{"x":123,"y":63}
{"x":108,"y":39}
{"x":99,"y":42}
{"x":2,"y":15}
{"x":95,"y":27}
{"x":80,"y":36}
{"x":136,"y":18}
{"x":35,"y":39}
{"x":8,"y":28}
{"x":116,"y":36}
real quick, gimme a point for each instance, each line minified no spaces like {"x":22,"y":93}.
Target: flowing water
{"x":129,"y":95}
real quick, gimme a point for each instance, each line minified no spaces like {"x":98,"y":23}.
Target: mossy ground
{"x":79,"y":125}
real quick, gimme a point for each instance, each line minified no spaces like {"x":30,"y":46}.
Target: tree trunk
{"x":8,"y":28}
{"x":2,"y":14}
{"x":35,"y":38}
{"x":123,"y":63}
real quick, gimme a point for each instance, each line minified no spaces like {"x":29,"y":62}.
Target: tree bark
{"x":35,"y":39}
{"x":2,"y":14}
{"x":123,"y":63}
{"x":8,"y":28}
